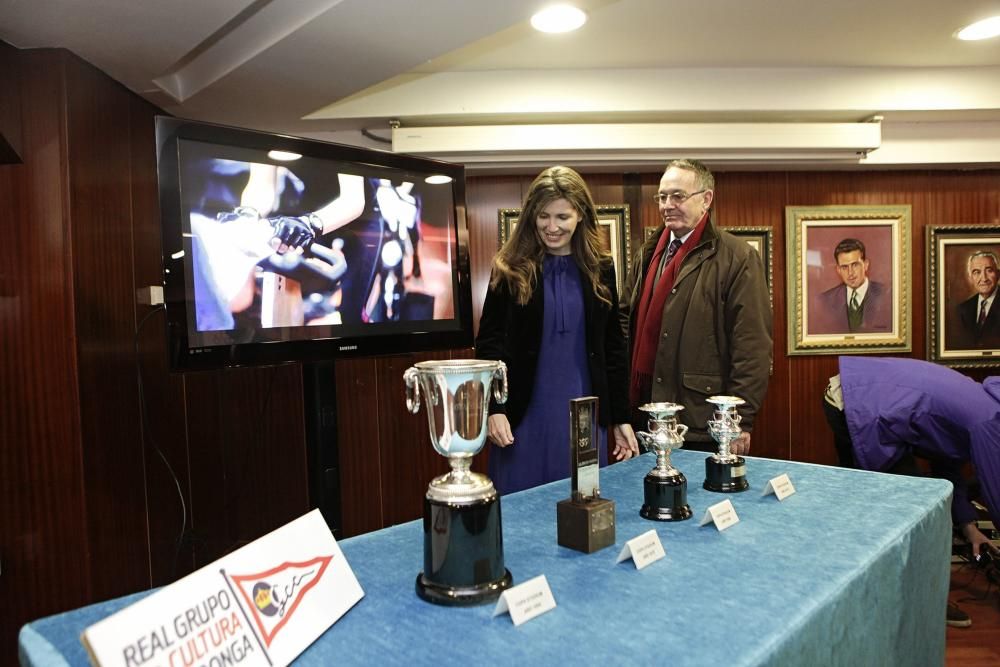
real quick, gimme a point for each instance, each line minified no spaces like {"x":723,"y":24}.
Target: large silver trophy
{"x":463,"y":544}
{"x":724,"y":471}
{"x":665,"y":487}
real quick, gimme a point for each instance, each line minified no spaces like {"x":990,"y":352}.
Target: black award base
{"x":585,"y":525}
{"x":726,"y":477}
{"x":666,"y":498}
{"x":463,"y":553}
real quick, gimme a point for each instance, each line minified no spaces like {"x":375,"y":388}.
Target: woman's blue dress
{"x":540,"y":452}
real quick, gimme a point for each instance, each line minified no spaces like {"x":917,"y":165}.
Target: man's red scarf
{"x":650,"y":309}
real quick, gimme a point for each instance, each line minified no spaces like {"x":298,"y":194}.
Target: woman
{"x":551,"y":314}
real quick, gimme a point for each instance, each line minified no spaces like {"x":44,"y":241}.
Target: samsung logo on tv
{"x":344,"y":348}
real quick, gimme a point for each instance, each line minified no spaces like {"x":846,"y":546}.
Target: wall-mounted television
{"x":278,"y":248}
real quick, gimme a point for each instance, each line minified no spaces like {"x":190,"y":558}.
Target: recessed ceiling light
{"x":558,"y":18}
{"x":984,"y":29}
{"x":283,"y":156}
{"x":438,"y":179}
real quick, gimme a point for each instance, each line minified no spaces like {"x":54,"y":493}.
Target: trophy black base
{"x":723,"y":477}
{"x":666,"y":498}
{"x":585,"y":525}
{"x":463,"y":553}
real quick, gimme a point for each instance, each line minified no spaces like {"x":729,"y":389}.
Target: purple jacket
{"x":898,"y":405}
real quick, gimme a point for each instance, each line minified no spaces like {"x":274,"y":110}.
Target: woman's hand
{"x":498,"y":430}
{"x":626,"y":446}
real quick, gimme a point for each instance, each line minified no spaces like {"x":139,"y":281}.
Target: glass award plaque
{"x":585,"y":521}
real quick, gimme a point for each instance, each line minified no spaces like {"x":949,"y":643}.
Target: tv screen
{"x":278,"y":248}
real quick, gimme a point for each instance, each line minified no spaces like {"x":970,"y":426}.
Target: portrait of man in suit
{"x":979,"y":315}
{"x":857,"y":304}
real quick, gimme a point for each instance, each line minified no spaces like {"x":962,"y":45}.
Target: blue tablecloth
{"x":852,"y":569}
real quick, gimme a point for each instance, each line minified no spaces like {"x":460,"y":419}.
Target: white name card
{"x":527,"y":600}
{"x":263,"y":604}
{"x":780,"y":486}
{"x":723,"y":515}
{"x":643,"y":550}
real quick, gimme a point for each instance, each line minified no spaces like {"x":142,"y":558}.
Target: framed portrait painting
{"x":848,"y":273}
{"x":759,"y":238}
{"x":963,"y":311}
{"x":612,"y":224}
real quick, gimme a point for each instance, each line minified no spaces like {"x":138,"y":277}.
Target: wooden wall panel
{"x":756,"y":200}
{"x":10,"y":109}
{"x":43,"y":523}
{"x":408,"y":460}
{"x":386,"y":456}
{"x":103,"y":299}
{"x":246,"y":455}
{"x":164,"y":416}
{"x":358,"y":446}
{"x":484,"y":197}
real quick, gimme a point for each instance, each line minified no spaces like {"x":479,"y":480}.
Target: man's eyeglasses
{"x":675,"y":198}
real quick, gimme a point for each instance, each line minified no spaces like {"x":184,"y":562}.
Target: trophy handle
{"x":681,"y":430}
{"x":500,"y":388}
{"x":645,"y":439}
{"x":412,"y":390}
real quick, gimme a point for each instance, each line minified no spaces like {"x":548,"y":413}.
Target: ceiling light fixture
{"x":984,"y":29}
{"x":438,"y":179}
{"x":611,"y":141}
{"x":558,"y":18}
{"x":283,"y":156}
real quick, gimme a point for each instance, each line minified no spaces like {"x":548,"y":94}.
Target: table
{"x":851,"y":569}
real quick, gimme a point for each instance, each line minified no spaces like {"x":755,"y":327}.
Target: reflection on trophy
{"x":665,"y":487}
{"x":463,"y":544}
{"x":725,"y":471}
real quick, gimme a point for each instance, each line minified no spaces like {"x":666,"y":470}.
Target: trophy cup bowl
{"x":463,"y":543}
{"x":725,"y":472}
{"x":664,"y":487}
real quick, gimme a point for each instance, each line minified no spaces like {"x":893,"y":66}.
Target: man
{"x":887,"y":412}
{"x":699,"y":313}
{"x":979,"y":319}
{"x":857,"y":305}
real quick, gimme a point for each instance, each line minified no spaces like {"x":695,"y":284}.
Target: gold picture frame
{"x":613,"y":223}
{"x":759,"y":238}
{"x":954,"y":337}
{"x":819,"y":319}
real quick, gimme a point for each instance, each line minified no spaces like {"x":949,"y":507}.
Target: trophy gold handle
{"x":500,"y":386}
{"x":410,"y":378}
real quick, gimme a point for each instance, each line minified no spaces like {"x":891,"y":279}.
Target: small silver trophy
{"x":724,"y":471}
{"x":665,"y":487}
{"x":463,"y":543}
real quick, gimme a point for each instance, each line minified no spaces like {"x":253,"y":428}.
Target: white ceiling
{"x":329,"y":68}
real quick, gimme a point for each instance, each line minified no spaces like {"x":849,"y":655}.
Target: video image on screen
{"x":279,"y":248}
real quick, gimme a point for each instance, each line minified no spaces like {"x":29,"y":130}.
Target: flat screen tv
{"x":277,"y":248}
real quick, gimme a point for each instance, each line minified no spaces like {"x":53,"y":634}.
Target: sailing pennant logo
{"x":273,"y":596}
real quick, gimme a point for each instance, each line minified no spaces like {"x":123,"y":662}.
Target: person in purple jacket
{"x":887,"y":412}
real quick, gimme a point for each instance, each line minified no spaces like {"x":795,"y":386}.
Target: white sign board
{"x":260,"y":605}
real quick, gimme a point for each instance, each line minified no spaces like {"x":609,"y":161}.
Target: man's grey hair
{"x":706,"y":181}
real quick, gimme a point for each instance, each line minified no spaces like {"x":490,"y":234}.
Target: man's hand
{"x":976,"y":539}
{"x":740,"y":444}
